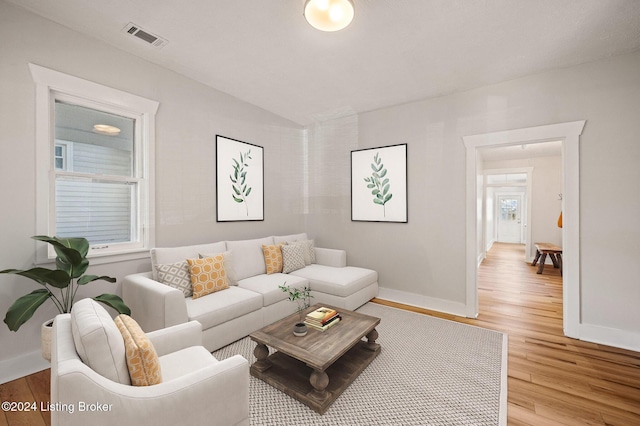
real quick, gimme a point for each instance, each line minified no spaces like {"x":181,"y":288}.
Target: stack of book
{"x":322,"y":318}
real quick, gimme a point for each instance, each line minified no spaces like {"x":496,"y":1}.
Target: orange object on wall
{"x":560,"y":220}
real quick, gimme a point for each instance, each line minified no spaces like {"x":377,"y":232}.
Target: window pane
{"x":97,"y":210}
{"x":59,"y":164}
{"x":102,"y":150}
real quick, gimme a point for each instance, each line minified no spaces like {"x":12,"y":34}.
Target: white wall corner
{"x":421,"y":301}
{"x":610,"y":336}
{"x":23,"y":365}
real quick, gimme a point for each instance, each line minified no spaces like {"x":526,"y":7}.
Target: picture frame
{"x":239,"y":180}
{"x":379,"y":184}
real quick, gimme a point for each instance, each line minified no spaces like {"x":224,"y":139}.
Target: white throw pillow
{"x":292,"y":257}
{"x":232,"y":279}
{"x":98,"y":341}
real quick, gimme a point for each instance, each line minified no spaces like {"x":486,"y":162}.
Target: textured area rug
{"x":430,"y":372}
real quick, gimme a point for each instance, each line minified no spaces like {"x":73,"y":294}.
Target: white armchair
{"x":196,"y":388}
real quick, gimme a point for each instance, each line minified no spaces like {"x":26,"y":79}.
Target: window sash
{"x":52,"y":85}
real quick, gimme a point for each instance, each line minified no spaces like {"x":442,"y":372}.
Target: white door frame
{"x":569,"y":133}
{"x":523,"y":213}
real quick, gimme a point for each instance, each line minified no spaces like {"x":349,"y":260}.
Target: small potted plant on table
{"x":301,"y":297}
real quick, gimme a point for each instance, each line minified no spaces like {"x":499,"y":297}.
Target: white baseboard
{"x":422,"y":301}
{"x":21,"y":366}
{"x":610,"y":336}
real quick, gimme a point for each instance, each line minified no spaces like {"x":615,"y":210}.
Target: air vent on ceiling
{"x":144,"y":35}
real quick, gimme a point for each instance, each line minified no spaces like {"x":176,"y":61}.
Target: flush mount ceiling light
{"x":105,"y":129}
{"x":329,"y":15}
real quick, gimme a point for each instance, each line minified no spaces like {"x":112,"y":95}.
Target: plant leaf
{"x":385,"y":189}
{"x":235,"y":190}
{"x":115,"y":302}
{"x":377,"y":201}
{"x":371,"y":186}
{"x":384,"y":173}
{"x":246,"y":194}
{"x":384,"y":182}
{"x":367,"y":179}
{"x":238,"y":200}
{"x":54,"y":277}
{"x":90,"y":278}
{"x":74,"y":271}
{"x":237,"y":164}
{"x":232,"y":179}
{"x":23,"y":308}
{"x":388,"y":197}
{"x":66,"y":247}
{"x":375,"y":191}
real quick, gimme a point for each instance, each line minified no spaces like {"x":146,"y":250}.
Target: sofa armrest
{"x":153,"y":305}
{"x":177,"y":337}
{"x":331,"y":257}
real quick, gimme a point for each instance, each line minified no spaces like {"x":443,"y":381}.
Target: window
{"x":94,"y":165}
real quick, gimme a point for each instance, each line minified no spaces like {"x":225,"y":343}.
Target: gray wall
{"x":426,"y":257}
{"x":189,"y":117}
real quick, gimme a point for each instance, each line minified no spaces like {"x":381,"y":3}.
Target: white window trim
{"x":49,"y":82}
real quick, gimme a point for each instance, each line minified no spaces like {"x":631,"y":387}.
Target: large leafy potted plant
{"x":60,"y":284}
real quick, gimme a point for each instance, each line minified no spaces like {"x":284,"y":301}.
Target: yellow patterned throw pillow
{"x":273,"y":258}
{"x":142,"y":359}
{"x":207,"y":275}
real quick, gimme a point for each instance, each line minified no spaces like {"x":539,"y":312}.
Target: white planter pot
{"x":46,"y":332}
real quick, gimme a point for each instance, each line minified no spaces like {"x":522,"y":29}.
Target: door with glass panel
{"x":510,"y":218}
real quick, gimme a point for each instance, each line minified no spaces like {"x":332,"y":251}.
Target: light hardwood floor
{"x":553,"y":380}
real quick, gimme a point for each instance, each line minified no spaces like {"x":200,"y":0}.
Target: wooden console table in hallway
{"x":554,"y":252}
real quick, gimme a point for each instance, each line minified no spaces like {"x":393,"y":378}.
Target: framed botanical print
{"x":379,"y":184}
{"x":239,"y":180}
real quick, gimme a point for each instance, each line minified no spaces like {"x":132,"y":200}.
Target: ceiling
{"x":395,"y":51}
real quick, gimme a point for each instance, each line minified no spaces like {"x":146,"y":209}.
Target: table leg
{"x":554,"y":260}
{"x":541,"y":265}
{"x":319,"y":381}
{"x":371,"y":340}
{"x":559,"y":257}
{"x":261,"y":352}
{"x":535,"y":260}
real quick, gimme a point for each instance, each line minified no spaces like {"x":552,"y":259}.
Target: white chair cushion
{"x":98,"y":341}
{"x":185,"y":361}
{"x":248,"y":256}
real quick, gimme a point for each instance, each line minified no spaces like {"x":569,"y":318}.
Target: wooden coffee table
{"x":315,"y":369}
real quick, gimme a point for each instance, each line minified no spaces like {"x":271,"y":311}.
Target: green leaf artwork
{"x":379,"y":183}
{"x":238,"y":179}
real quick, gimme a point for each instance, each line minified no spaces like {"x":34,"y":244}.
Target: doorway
{"x":569,"y":134}
{"x":510,"y":224}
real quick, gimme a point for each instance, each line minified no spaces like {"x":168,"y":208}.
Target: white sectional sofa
{"x":252,"y":303}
